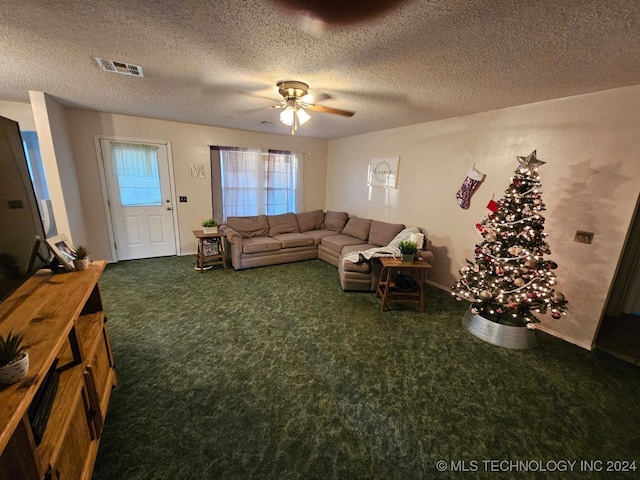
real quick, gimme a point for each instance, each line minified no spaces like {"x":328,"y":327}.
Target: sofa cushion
{"x":285,"y":223}
{"x":310,"y":220}
{"x":260,"y":244}
{"x":254,"y":226}
{"x":318,"y":235}
{"x":335,"y":220}
{"x":382,"y":233}
{"x":290,"y":240}
{"x":357,"y":227}
{"x":337,"y":242}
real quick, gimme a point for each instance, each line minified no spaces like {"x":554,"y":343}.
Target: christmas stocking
{"x":469,"y":186}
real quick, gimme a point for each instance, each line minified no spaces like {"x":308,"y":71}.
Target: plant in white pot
{"x":209,"y":226}
{"x":14,"y":359}
{"x":81,"y":252}
{"x":408,"y":250}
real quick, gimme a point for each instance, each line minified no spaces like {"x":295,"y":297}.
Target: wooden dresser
{"x":63,"y":320}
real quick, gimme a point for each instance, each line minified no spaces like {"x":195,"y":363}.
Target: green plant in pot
{"x":81,"y":252}
{"x":408,"y":250}
{"x":209,"y":226}
{"x":14,"y":359}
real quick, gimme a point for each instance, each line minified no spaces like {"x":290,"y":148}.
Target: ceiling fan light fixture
{"x":293,"y":115}
{"x":303,"y":116}
{"x":286,"y":115}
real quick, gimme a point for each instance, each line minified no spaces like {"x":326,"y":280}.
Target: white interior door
{"x":139,"y":190}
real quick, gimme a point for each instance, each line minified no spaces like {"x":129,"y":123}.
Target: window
{"x":281,"y":182}
{"x":242,"y":182}
{"x":254,"y":182}
{"x":136,"y":171}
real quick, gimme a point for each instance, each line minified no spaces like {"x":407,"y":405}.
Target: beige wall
{"x":188,"y":144}
{"x":590,"y":182}
{"x":59,"y":167}
{"x":18,"y":112}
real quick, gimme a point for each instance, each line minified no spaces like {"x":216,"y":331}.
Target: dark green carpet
{"x":276,"y":373}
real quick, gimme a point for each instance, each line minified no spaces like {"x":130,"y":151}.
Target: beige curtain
{"x":284,"y":183}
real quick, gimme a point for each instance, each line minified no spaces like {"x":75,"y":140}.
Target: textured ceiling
{"x":217,"y":62}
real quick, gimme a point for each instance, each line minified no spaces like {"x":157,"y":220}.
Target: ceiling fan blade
{"x":315,"y":97}
{"x":261,"y":97}
{"x":336,"y":111}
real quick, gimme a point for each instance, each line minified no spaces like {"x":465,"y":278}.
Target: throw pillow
{"x":285,"y":223}
{"x":310,"y":220}
{"x":358,"y":228}
{"x":254,"y":226}
{"x":417,"y":238}
{"x":335,"y":221}
{"x":382,"y":233}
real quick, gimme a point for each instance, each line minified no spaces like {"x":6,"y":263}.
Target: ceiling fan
{"x":294,"y":109}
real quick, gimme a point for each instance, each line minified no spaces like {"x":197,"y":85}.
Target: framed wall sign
{"x":383,"y":172}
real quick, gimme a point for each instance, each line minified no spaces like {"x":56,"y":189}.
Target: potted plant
{"x":209,"y":226}
{"x":408,"y":250}
{"x":81,"y":252}
{"x":14,"y":359}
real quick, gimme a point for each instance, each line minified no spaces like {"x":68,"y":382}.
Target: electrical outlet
{"x":183,"y":199}
{"x":583,"y":237}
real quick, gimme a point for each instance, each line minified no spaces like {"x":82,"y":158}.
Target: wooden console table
{"x":386,"y":285}
{"x":205,"y":259}
{"x":63,"y":321}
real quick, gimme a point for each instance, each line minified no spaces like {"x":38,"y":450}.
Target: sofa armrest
{"x":234,"y":243}
{"x":427,"y":254}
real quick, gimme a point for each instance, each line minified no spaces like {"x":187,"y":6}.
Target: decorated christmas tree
{"x":510,"y":281}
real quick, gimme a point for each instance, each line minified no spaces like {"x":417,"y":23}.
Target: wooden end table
{"x":386,"y":284}
{"x":208,"y":255}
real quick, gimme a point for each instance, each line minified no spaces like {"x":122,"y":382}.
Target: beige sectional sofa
{"x":262,"y":240}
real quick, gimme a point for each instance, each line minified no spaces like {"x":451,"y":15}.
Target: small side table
{"x":210,"y":253}
{"x":386,"y":285}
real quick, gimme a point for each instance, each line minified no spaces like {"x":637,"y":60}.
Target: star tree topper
{"x":529,"y":163}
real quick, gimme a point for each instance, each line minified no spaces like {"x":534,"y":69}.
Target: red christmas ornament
{"x":555,"y":315}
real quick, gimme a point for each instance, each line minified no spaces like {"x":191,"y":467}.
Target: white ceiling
{"x":217,"y":62}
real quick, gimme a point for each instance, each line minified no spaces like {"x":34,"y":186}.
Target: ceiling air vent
{"x":119,"y":67}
